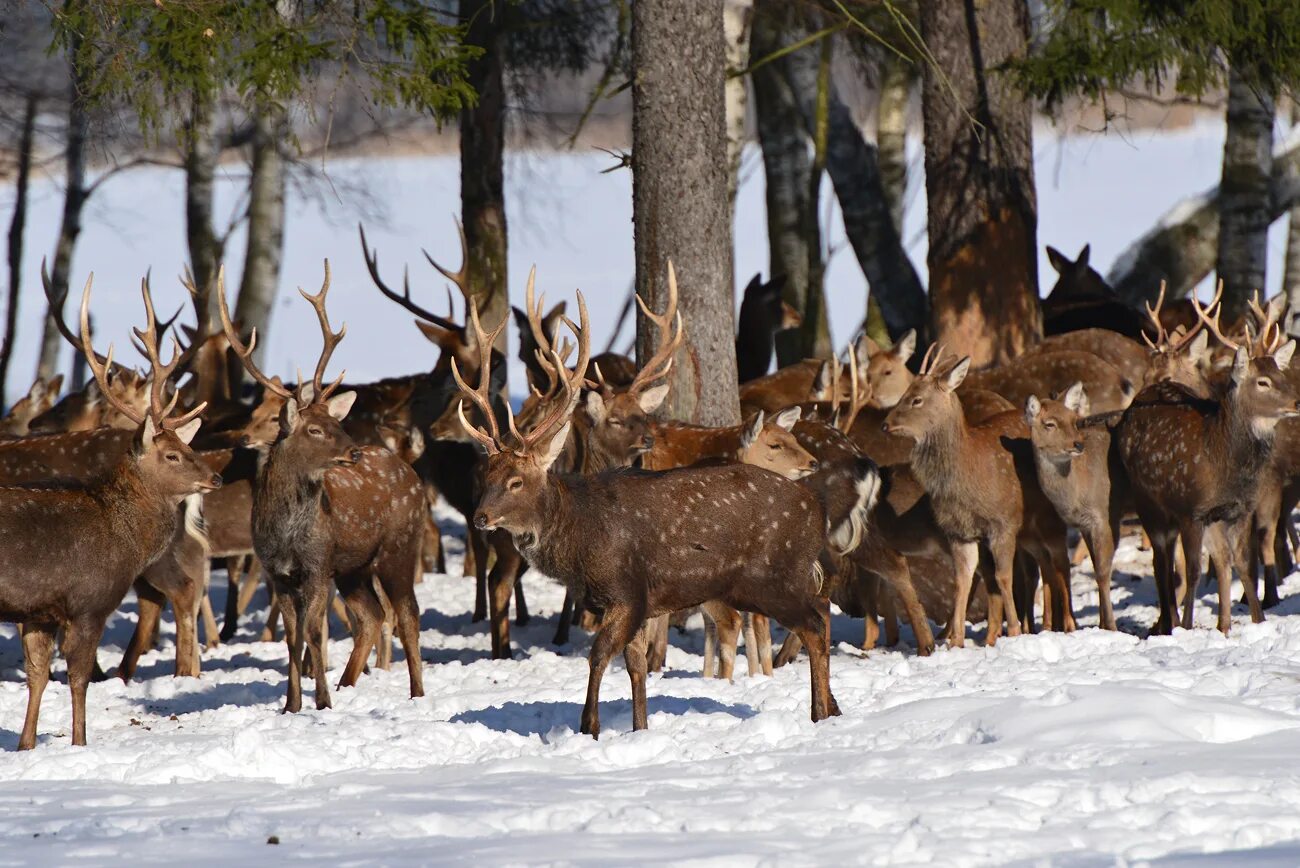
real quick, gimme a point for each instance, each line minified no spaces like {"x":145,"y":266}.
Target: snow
{"x":1089,"y":748}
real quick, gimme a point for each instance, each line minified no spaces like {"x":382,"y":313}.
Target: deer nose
{"x":884,"y":426}
{"x":245,"y":439}
{"x":480,"y":520}
{"x":355,"y":455}
{"x":215,"y":480}
{"x":813,"y":465}
{"x":1078,"y":445}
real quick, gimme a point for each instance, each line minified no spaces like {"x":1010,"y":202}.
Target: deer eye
{"x":514,"y":484}
{"x":1049,"y":426}
{"x":916,"y":402}
{"x":616,"y":423}
{"x":316,"y":431}
{"x":1264,"y":383}
{"x":777,"y":447}
{"x":174,"y":457}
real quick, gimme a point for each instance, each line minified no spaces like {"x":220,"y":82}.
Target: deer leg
{"x":728,"y":623}
{"x":234,"y":585}
{"x":657,"y":633}
{"x":151,"y":602}
{"x":710,"y":668}
{"x":634,"y":659}
{"x":432,"y":557}
{"x":1053,"y":562}
{"x":80,"y":641}
{"x":566,"y":620}
{"x":1162,"y":555}
{"x":762,"y":627}
{"x":617,"y":627}
{"x":478,"y":551}
{"x":317,"y":592}
{"x":501,"y":583}
{"x":294,"y":636}
{"x":870,"y":588}
{"x":186,"y":602}
{"x":1004,"y":564}
{"x":521,"y":605}
{"x":38,"y":648}
{"x":406,"y":612}
{"x":1193,"y":536}
{"x":1266,"y":545}
{"x":1252,"y":593}
{"x":211,"y":633}
{"x":752,"y":664}
{"x":1101,"y":549}
{"x":889,"y":615}
{"x":384,"y":650}
{"x":814,"y":631}
{"x":248,"y":585}
{"x":366,"y":614}
{"x":789,"y":649}
{"x":900,"y":582}
{"x":965,"y":557}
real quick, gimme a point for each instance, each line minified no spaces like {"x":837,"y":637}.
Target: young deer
{"x":641,"y":544}
{"x":327,"y":510}
{"x":1083,"y":477}
{"x":39,"y":399}
{"x":982,"y":490}
{"x":71,"y":551}
{"x":1194,"y":462}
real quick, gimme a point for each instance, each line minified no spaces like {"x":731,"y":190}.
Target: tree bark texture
{"x":200,"y":153}
{"x":17,"y":226}
{"x":897,"y":75}
{"x":979,"y":180}
{"x":1291,"y":265}
{"x":1243,"y":193}
{"x":854,"y":169}
{"x":679,"y":198}
{"x":787,"y":167}
{"x":737,"y":15}
{"x":482,"y":160}
{"x":266,"y":190}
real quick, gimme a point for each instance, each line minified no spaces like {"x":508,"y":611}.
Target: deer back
{"x":1053,"y":373}
{"x":1127,"y":355}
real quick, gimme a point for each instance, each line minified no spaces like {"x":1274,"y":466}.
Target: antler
{"x":199,"y":299}
{"x":461,"y":276}
{"x":1269,"y":335}
{"x":669,"y":339}
{"x":329,"y":338}
{"x":859,"y":394}
{"x":570,"y":382}
{"x":372,"y":265}
{"x":481,"y":396}
{"x":933,"y":356}
{"x":1213,"y":324}
{"x":245,"y":353}
{"x":57,"y":299}
{"x":148,"y":343}
{"x":1153,"y":314}
{"x":99,"y":365}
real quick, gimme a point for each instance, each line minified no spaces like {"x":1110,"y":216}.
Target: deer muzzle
{"x":481,"y":521}
{"x":213,"y":483}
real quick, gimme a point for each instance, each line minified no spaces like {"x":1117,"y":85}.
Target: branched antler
{"x":245,"y":353}
{"x":330,"y":340}
{"x":670,"y":337}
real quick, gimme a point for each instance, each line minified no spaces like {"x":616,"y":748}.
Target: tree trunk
{"x":1182,"y":247}
{"x":266,"y":189}
{"x":793,"y":240}
{"x":1243,"y":193}
{"x":17,"y":226}
{"x":897,"y":75}
{"x":482,"y":152}
{"x":815,"y":329}
{"x":200,"y":167}
{"x":1291,"y":269}
{"x":979,"y":170}
{"x":679,"y":198}
{"x":737,"y":15}
{"x":74,"y":200}
{"x":854,"y":169}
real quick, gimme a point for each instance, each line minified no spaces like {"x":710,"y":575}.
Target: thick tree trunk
{"x":737,"y":15}
{"x":1291,"y":268}
{"x":266,"y":189}
{"x":793,"y":240}
{"x":679,"y":198}
{"x":74,"y":200}
{"x":897,"y":75}
{"x":979,"y":172}
{"x":200,"y":167}
{"x":17,"y":226}
{"x":854,"y":170}
{"x":482,"y":156}
{"x":1243,"y":193}
{"x":1182,"y":247}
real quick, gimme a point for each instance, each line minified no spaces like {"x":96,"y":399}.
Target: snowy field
{"x":1091,"y":748}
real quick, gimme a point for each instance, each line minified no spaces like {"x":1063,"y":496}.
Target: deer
{"x":1080,"y":471}
{"x":1195,"y":462}
{"x":606,"y":536}
{"x":763,"y":313}
{"x":39,"y":399}
{"x":1054,"y":372}
{"x":111,"y":528}
{"x":1127,"y":355}
{"x":326,"y":510}
{"x":982,"y":490}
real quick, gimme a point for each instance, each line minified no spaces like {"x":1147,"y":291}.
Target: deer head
{"x":931,"y":400}
{"x":885,"y":370}
{"x":160,"y":450}
{"x":769,"y":444}
{"x":309,"y":434}
{"x":1179,"y":356}
{"x":1054,"y":424}
{"x":1076,"y":277}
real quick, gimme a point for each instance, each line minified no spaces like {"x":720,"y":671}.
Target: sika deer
{"x":763,"y":313}
{"x":1194,"y":462}
{"x":325,"y":509}
{"x":1083,"y":477}
{"x":640,"y":544}
{"x":108,"y":530}
{"x":982,"y":490}
{"x":39,"y":399}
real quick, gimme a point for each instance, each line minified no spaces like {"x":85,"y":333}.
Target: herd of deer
{"x":866,"y":484}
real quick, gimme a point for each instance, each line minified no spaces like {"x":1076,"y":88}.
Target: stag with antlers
{"x":326,"y":510}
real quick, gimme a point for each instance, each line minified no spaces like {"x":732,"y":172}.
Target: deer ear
{"x":1076,"y":399}
{"x":54,"y":386}
{"x":289,"y":416}
{"x":1282,"y":358}
{"x":1200,"y":344}
{"x":595,"y":407}
{"x":650,"y":399}
{"x":823,"y":382}
{"x":554,"y":448}
{"x":906,"y":346}
{"x":1032,"y":408}
{"x":1240,"y":366}
{"x":752,"y":430}
{"x":1082,"y":260}
{"x":444,"y":338}
{"x":787,"y":418}
{"x":954,"y":378}
{"x":187,"y":431}
{"x":1058,"y":259}
{"x":864,"y":348}
{"x":149,"y":432}
{"x":339,"y":405}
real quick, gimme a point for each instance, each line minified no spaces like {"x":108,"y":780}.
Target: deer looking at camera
{"x":327,"y":510}
{"x":72,"y":550}
{"x":639,"y":544}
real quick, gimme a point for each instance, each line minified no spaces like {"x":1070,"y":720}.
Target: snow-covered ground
{"x":1091,"y":748}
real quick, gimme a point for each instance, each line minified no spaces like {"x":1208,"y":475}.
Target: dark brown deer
{"x":1053,"y":373}
{"x":327,"y":510}
{"x":110,"y":528}
{"x":1127,"y":355}
{"x":39,"y":399}
{"x":763,"y":313}
{"x":640,"y":544}
{"x":1081,"y":473}
{"x":1194,"y":462}
{"x":983,"y":490}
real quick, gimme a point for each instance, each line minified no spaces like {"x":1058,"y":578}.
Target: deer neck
{"x":943,"y":453}
{"x":136,"y":511}
{"x":286,"y":494}
{"x":1236,"y":443}
{"x":552,"y":545}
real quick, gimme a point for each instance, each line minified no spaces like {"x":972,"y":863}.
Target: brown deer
{"x":1127,"y":355}
{"x":1053,"y":373}
{"x":327,"y":510}
{"x":982,"y":489}
{"x":1195,"y":462}
{"x":763,"y":313}
{"x":1080,"y":471}
{"x":110,"y":528}
{"x":640,"y":544}
{"x":39,"y":399}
